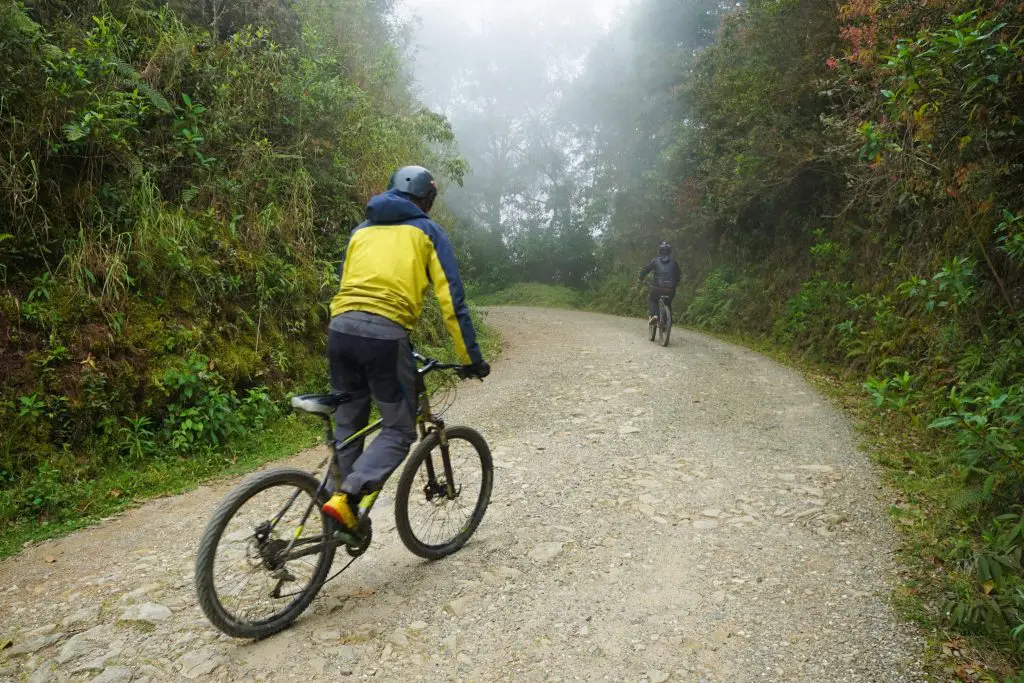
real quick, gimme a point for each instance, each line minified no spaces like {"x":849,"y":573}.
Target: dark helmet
{"x":664,"y":249}
{"x":415,"y":181}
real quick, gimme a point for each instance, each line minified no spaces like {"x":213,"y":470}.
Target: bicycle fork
{"x":433,"y":489}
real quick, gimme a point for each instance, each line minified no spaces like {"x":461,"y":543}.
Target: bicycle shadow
{"x":381,"y":592}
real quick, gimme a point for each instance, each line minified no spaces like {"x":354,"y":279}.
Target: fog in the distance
{"x":499,"y":71}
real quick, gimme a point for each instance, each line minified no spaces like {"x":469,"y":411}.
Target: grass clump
{"x":533,"y":294}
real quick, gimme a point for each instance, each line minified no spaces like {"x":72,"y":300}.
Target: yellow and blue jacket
{"x":390,"y":261}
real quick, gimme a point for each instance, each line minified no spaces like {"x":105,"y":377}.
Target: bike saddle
{"x":319,"y":404}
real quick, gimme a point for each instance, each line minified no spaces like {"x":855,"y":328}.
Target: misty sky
{"x":476,"y":13}
{"x":500,"y":70}
{"x":456,"y":34}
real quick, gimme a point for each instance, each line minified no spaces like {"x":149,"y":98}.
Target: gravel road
{"x":695,"y":513}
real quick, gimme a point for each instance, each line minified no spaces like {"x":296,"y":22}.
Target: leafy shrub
{"x":714,"y":304}
{"x":988,"y":421}
{"x":892,"y":393}
{"x":618,"y":293}
{"x":200,"y":411}
{"x":811,"y":315}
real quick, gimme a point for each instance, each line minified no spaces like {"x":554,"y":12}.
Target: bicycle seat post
{"x":329,"y":428}
{"x":332,"y":467}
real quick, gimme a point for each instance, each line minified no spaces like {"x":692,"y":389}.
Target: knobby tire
{"x":408,"y":480}
{"x":215,"y":611}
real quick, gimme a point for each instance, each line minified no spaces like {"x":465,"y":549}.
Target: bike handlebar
{"x":431,"y":364}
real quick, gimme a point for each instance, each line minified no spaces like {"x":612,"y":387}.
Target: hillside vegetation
{"x":845,"y":181}
{"x":177,"y":184}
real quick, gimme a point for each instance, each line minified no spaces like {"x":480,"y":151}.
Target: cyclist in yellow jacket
{"x":391,"y":260}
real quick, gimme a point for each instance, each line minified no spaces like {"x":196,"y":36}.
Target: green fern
{"x":966,"y":498}
{"x":130,"y":77}
{"x":124,"y":69}
{"x":154,"y":96}
{"x":74,"y":132}
{"x":51,"y":52}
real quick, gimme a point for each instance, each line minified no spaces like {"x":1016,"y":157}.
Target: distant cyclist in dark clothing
{"x":666,"y":279}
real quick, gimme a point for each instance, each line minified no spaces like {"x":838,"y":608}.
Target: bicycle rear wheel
{"x":430,"y":522}
{"x":666,"y":323}
{"x":248,"y":584}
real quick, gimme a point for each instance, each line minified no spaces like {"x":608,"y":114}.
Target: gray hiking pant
{"x":370,"y":356}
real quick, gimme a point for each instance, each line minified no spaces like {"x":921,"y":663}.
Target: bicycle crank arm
{"x":311,"y":549}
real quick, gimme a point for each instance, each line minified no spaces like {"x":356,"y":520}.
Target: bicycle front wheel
{"x":433,"y":519}
{"x":264,"y":555}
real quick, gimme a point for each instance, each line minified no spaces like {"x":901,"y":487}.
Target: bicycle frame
{"x":426,"y":423}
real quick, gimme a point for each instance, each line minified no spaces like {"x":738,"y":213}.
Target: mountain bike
{"x":268,"y":549}
{"x":660,"y":327}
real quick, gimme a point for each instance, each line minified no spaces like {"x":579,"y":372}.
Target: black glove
{"x":477,"y":370}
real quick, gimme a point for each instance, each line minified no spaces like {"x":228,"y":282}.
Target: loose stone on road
{"x":690,"y":513}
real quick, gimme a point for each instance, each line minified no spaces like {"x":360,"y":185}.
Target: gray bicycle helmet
{"x":415,"y":181}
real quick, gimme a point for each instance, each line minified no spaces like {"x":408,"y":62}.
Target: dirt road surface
{"x":692,"y":513}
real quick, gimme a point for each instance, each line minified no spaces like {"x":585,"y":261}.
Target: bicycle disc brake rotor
{"x":437,"y":492}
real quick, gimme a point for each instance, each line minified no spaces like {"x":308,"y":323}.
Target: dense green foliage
{"x":848,"y":182}
{"x":178,"y":181}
